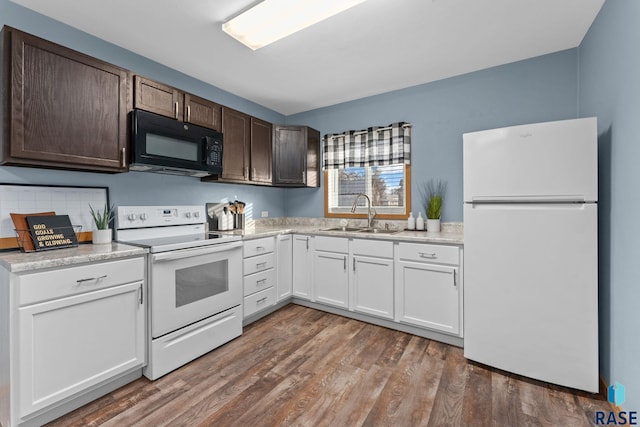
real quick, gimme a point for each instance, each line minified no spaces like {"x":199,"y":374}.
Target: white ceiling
{"x":375,"y":47}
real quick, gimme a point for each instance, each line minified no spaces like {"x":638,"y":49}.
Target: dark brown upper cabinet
{"x":236,"y":133}
{"x":296,"y":156}
{"x":261,"y":151}
{"x":168,"y":101}
{"x":60,"y":108}
{"x":247,"y":149}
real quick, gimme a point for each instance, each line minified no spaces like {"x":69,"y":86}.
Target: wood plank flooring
{"x":303,"y":367}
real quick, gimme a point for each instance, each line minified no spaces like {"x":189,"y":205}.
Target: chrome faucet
{"x":371,"y":212}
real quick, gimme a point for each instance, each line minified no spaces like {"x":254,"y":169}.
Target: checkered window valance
{"x":376,"y":146}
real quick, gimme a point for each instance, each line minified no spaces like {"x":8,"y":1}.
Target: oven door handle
{"x":188,"y":253}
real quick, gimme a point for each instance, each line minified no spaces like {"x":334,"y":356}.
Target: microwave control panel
{"x":214,"y":151}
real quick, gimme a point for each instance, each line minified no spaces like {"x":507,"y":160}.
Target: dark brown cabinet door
{"x":261,"y":151}
{"x":170,"y":102}
{"x":65,"y":109}
{"x":157,"y":98}
{"x":236,"y":130}
{"x":202,"y":112}
{"x":313,"y":158}
{"x":296,"y":156}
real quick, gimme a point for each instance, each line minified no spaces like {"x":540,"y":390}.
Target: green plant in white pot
{"x":432,"y":193}
{"x":101,"y":218}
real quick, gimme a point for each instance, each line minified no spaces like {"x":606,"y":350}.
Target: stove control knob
{"x":188,"y":214}
{"x":144,"y":216}
{"x":131,"y":217}
{"x":196,"y":214}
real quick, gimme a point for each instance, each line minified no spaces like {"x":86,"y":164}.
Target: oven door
{"x":189,"y":285}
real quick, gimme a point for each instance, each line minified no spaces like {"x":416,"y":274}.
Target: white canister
{"x":223,"y":222}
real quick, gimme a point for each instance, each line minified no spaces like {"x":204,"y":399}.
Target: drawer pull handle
{"x":261,"y":300}
{"x":90,"y":279}
{"x":261,"y":265}
{"x":259,"y":248}
{"x":261,"y":281}
{"x":427,"y":254}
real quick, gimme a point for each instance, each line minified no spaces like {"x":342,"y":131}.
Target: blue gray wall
{"x":609,"y":84}
{"x":534,"y":90}
{"x":137,"y":187}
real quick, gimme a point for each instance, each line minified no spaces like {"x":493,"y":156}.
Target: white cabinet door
{"x":428,"y":295}
{"x":301,"y":268}
{"x":284,"y":270}
{"x":372,"y":286}
{"x":331,"y":278}
{"x":69,"y":344}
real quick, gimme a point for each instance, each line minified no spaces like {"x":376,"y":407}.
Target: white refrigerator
{"x":531,"y":251}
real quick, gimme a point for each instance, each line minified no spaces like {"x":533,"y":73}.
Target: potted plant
{"x":432,"y":197}
{"x":102,"y":234}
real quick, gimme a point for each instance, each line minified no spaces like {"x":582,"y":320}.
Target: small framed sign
{"x":51,"y":232}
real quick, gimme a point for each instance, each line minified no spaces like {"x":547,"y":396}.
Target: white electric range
{"x":194,"y":282}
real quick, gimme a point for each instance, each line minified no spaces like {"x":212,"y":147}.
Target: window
{"x":374,"y":162}
{"x":386,"y":186}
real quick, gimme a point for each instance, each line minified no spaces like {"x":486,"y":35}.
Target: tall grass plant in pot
{"x":432,"y":193}
{"x":101,"y":218}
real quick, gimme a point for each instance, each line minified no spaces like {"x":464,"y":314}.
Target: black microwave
{"x":164,"y":145}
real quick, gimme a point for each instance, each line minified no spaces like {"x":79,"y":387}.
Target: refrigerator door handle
{"x":533,"y":206}
{"x":569,"y":198}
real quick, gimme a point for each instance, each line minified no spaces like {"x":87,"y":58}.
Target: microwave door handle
{"x":205,"y":149}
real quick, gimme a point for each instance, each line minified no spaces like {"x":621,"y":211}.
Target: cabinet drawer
{"x":429,"y":253}
{"x":332,"y":244}
{"x":258,"y":301}
{"x":258,"y":246}
{"x":374,"y":248}
{"x":259,"y":281}
{"x":47,"y":285}
{"x":259,"y":263}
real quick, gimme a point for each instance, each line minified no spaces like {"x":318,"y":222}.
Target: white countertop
{"x":453,"y":235}
{"x":17,"y":262}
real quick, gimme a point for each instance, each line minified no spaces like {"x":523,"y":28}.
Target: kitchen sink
{"x":343,"y":229}
{"x":377,"y":230}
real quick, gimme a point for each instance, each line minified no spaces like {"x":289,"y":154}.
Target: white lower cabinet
{"x":372,"y":277}
{"x":428,"y":294}
{"x":73,"y":330}
{"x":259,"y":275}
{"x":331,"y":271}
{"x":301,"y":266}
{"x":284,"y":281}
{"x":373,"y":286}
{"x":331,"y":278}
{"x":69,"y":344}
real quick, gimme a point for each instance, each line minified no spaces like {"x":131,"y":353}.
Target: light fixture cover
{"x":271,"y":20}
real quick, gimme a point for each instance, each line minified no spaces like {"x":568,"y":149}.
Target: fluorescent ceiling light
{"x":271,"y":20}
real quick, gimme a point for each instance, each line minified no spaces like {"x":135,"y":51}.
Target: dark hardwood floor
{"x":304,"y":367}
